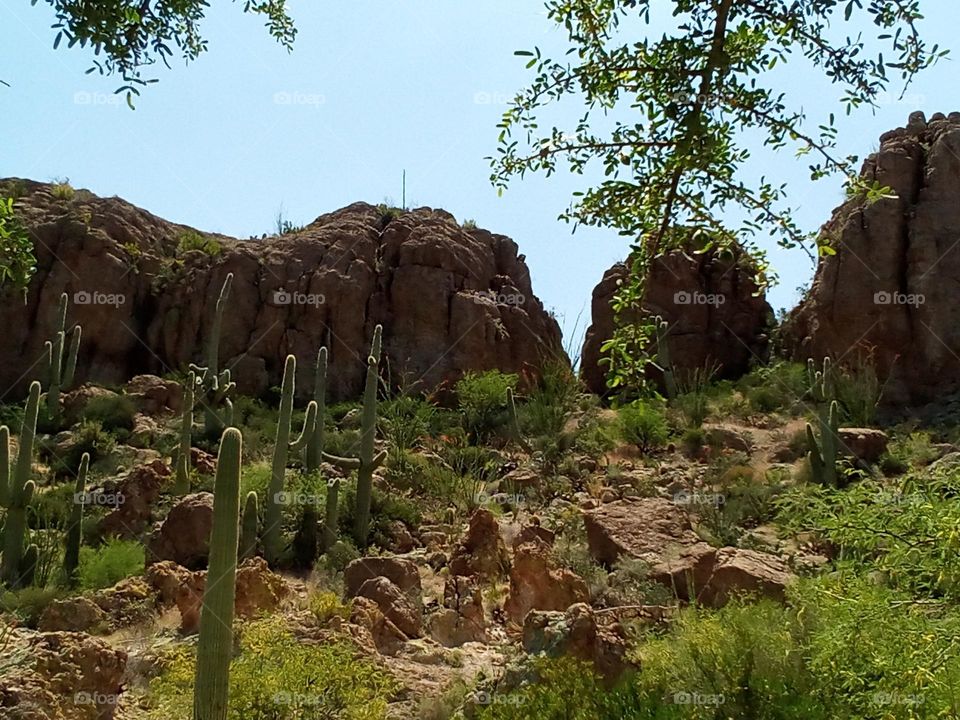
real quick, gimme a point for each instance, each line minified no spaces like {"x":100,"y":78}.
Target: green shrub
{"x":276,"y":677}
{"x":482,"y":399}
{"x":28,"y":604}
{"x":385,"y":509}
{"x":779,"y":386}
{"x":87,"y":437}
{"x":62,"y":190}
{"x":113,"y":412}
{"x":110,"y":563}
{"x":407,"y":419}
{"x":17,"y":259}
{"x":191,"y":240}
{"x":643,"y":424}
{"x":326,"y":605}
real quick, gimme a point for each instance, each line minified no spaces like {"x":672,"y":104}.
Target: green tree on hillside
{"x":665,"y":118}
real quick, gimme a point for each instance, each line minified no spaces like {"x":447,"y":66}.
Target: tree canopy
{"x":666,"y":118}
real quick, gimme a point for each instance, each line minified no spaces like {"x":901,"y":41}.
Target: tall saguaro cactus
{"x":248,"y":527}
{"x":20,"y":490}
{"x":215,"y":644}
{"x":71,"y":555}
{"x":61,"y":360}
{"x":216,"y":384}
{"x":367,"y":461}
{"x":182,"y":483}
{"x":314,"y":453}
{"x":274,"y":511}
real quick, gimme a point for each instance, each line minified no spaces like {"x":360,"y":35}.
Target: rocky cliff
{"x":451,"y":299}
{"x":890,"y":291}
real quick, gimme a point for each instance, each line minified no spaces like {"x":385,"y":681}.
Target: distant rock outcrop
{"x":451,"y":299}
{"x":716,"y":315}
{"x":891,"y":290}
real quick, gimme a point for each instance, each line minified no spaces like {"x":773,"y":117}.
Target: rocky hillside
{"x":450,"y":298}
{"x":889,"y":292}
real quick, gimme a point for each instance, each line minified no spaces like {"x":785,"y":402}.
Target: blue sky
{"x":372,"y":88}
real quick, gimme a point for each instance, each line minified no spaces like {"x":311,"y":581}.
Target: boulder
{"x":745,"y":571}
{"x":656,"y":531}
{"x":184,"y":536}
{"x":482,"y":551}
{"x":461,"y":619}
{"x":75,"y":402}
{"x":401,"y":572}
{"x":576,"y":633}
{"x":387,"y":637}
{"x":715,"y":312}
{"x":451,"y":299}
{"x":537,"y":584}
{"x":154,"y":395}
{"x":887,"y":295}
{"x":78,"y":614}
{"x":165,"y":577}
{"x":394,"y":604}
{"x":140,"y":491}
{"x":864,"y":444}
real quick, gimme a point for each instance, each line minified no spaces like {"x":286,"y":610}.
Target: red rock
{"x":537,"y":584}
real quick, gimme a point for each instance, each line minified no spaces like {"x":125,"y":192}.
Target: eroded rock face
{"x":715,"y":313}
{"x":482,"y":551}
{"x":184,"y":536}
{"x":140,"y":490}
{"x":890,"y":290}
{"x":394,"y":604}
{"x":461,"y":619}
{"x":537,"y":584}
{"x":401,"y":572}
{"x":450,"y":299}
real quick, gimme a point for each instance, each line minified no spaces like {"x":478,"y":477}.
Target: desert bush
{"x":629,"y":584}
{"x":113,"y":412}
{"x":105,"y":566}
{"x":858,"y":390}
{"x":385,"y":509}
{"x":28,"y":604}
{"x":742,"y":500}
{"x":87,"y":437}
{"x":191,"y":240}
{"x":482,"y":400}
{"x":325,"y":605}
{"x":780,"y":386}
{"x":275,"y":677}
{"x":407,"y":419}
{"x":642,"y":423}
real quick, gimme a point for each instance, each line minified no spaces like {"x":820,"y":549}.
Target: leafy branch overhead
{"x":669,"y":102}
{"x":664,"y":115}
{"x":128,"y":36}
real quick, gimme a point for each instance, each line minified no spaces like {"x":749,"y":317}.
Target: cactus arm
{"x":344,"y":463}
{"x":215,"y":644}
{"x":274,"y":511}
{"x":248,"y":527}
{"x":182,"y":486}
{"x":331,"y":515}
{"x":20,"y":492}
{"x":815,"y":456}
{"x":56,"y":370}
{"x":74,"y":349}
{"x":74,"y":538}
{"x":309,"y":421}
{"x":213,"y":344}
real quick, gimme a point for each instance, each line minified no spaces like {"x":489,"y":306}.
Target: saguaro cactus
{"x":823,"y":455}
{"x":71,"y":555}
{"x":274,"y":511}
{"x":331,"y":517}
{"x":314,"y":452}
{"x":367,"y":461}
{"x":61,"y":360}
{"x":182,"y":483}
{"x":248,"y":527}
{"x":19,"y":493}
{"x":216,"y":384}
{"x":215,"y":644}
{"x":663,"y":356}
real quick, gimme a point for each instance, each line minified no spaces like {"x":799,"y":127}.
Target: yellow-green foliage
{"x":191,"y":240}
{"x":325,"y":605}
{"x":275,"y":677}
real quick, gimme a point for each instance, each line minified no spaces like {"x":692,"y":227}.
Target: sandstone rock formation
{"x":711,"y":304}
{"x":482,"y":551}
{"x":184,"y":536}
{"x":659,"y":533}
{"x":451,"y":299}
{"x":889,"y":293}
{"x":537,"y":584}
